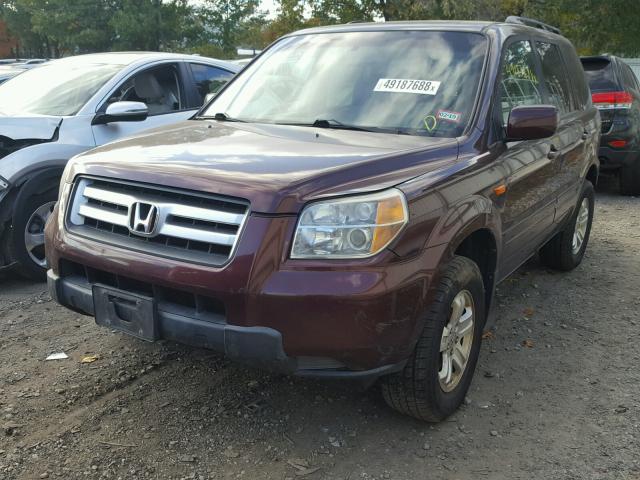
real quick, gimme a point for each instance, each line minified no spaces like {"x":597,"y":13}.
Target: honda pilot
{"x":345,"y":206}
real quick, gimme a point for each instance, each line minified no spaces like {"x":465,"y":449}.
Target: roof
{"x":471,"y":26}
{"x":435,"y":25}
{"x":129,"y":58}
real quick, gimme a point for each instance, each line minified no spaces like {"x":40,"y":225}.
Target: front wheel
{"x":27,"y":234}
{"x":566,"y":250}
{"x":437,"y":376}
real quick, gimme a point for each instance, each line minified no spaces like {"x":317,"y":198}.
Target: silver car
{"x":65,"y":107}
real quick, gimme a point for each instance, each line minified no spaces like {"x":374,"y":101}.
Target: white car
{"x":64,"y":107}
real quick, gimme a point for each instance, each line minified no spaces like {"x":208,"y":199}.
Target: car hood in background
{"x":36,"y":127}
{"x":276,"y":168}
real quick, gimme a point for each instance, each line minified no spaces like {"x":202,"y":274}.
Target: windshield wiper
{"x":322,"y":123}
{"x":222,"y":117}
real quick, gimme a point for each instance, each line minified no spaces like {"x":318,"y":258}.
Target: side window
{"x":556,"y":78}
{"x":519,"y":84}
{"x":209,"y":79}
{"x":158,"y":88}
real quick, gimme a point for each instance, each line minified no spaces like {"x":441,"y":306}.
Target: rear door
{"x":530,"y":200}
{"x":567,"y":149}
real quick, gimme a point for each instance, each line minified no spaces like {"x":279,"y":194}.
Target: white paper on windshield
{"x":405,"y":85}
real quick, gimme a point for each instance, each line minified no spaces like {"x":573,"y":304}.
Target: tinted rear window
{"x":600,"y":74}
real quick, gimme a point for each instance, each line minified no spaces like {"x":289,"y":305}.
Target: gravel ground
{"x":556,"y":393}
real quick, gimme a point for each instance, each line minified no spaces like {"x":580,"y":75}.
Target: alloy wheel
{"x":456,"y":341}
{"x":34,"y":233}
{"x":582,"y":221}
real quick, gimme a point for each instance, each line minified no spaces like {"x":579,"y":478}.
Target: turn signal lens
{"x":353,"y":227}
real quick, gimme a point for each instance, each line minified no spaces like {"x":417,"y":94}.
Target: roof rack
{"x":530,"y":22}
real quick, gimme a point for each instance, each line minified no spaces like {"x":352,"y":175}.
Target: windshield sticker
{"x":430,"y":123}
{"x":449,"y":116}
{"x":404,"y":85}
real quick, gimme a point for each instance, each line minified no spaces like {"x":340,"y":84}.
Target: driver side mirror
{"x":532,"y":122}
{"x":122,"y":112}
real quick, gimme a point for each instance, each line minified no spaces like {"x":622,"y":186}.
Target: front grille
{"x":161,"y":221}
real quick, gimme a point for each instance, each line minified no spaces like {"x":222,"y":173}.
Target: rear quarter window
{"x":579,"y":85}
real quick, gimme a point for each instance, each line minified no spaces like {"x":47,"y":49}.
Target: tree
{"x":153,"y":25}
{"x":73,"y":26}
{"x":226,"y":21}
{"x":290,"y":17}
{"x":17,"y":16}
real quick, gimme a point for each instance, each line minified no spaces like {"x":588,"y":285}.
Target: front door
{"x":161,"y":89}
{"x":529,"y":203}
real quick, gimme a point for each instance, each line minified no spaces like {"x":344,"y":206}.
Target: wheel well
{"x":35,"y":182}
{"x":480,"y":247}
{"x":592,"y":175}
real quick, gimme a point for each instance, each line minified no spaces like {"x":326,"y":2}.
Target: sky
{"x":270,"y":6}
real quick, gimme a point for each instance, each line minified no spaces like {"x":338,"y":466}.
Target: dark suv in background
{"x":615,"y":91}
{"x":344,"y":207}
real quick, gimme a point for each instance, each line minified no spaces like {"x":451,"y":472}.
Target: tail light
{"x":612,"y":100}
{"x":618,"y":143}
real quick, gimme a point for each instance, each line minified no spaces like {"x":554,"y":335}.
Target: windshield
{"x":414,"y":82}
{"x":60,"y":88}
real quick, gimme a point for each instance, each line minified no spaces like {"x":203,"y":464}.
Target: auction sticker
{"x":405,"y":85}
{"x":449,"y":116}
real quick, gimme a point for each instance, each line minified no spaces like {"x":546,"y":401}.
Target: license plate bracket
{"x":130,"y":313}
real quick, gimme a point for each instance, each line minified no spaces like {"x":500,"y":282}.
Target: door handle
{"x":585,"y":135}
{"x":553,"y":153}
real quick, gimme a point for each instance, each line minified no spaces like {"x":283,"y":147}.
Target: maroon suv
{"x":344,"y":207}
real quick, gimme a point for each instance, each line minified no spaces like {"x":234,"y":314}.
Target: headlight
{"x":353,"y":227}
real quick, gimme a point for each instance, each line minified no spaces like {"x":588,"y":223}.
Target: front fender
{"x":17,"y":166}
{"x":473,"y":214}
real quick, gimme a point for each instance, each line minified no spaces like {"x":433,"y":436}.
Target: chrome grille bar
{"x":183,"y":221}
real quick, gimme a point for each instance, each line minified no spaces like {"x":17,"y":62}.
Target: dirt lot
{"x":566,"y":404}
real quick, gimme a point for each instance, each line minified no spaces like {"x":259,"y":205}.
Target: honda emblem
{"x":143,"y":219}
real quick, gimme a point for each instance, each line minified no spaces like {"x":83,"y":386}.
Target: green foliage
{"x":57,"y":27}
{"x":153,"y":25}
{"x":227,"y":21}
{"x":18,"y":19}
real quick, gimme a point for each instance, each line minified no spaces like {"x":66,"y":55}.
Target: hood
{"x":276,"y":168}
{"x":17,"y":133}
{"x":36,"y":127}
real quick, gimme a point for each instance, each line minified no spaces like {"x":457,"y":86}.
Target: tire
{"x":25,"y":216}
{"x":417,"y":391}
{"x":560,"y":253}
{"x":630,"y":179}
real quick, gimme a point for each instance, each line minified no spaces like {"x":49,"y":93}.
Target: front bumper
{"x":257,"y":346}
{"x":360,"y":320}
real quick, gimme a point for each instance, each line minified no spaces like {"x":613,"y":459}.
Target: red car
{"x":344,"y":207}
